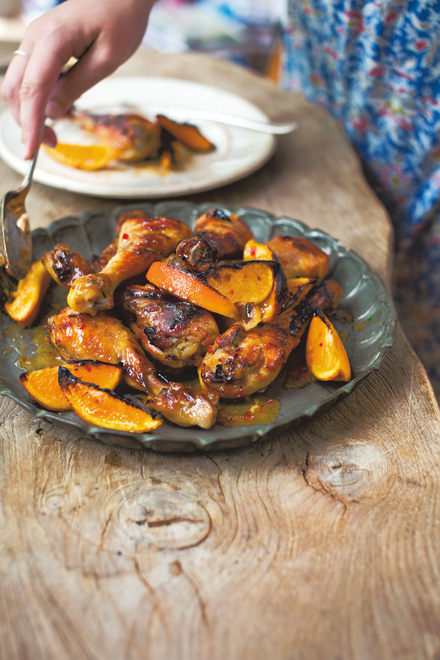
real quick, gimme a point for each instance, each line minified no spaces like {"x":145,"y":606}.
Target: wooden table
{"x":320,"y":543}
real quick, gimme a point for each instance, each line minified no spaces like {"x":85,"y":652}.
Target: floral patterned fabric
{"x":375,"y":65}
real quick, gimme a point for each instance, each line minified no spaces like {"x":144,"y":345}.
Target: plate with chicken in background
{"x":134,"y":138}
{"x":178,"y":326}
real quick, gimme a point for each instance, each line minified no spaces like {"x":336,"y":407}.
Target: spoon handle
{"x":30,"y":173}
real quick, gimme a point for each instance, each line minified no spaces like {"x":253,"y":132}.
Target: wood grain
{"x":319,"y":543}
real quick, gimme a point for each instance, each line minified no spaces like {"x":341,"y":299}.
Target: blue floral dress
{"x":375,"y":65}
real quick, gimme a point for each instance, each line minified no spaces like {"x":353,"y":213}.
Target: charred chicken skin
{"x":217,"y":236}
{"x":243,"y":362}
{"x":174,"y":332}
{"x":141,"y":241}
{"x":133,"y":137}
{"x":65,"y":266}
{"x":102,"y":337}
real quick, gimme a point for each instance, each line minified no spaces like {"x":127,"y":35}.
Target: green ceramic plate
{"x":364,"y":299}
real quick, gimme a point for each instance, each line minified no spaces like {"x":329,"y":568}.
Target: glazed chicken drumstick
{"x":141,"y":241}
{"x":132,"y":136}
{"x":65,"y":266}
{"x":102,"y":337}
{"x":217,"y":236}
{"x":244,"y":362}
{"x":174,"y":332}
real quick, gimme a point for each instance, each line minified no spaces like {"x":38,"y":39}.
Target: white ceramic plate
{"x":238,"y":153}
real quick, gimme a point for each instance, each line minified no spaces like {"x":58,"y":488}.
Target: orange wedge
{"x":245,"y":281}
{"x":103,"y":408}
{"x":42,"y":384}
{"x":83,"y":157}
{"x":300,"y":287}
{"x":24,"y":304}
{"x":326,"y":356}
{"x":187,"y":134}
{"x":189,"y":287}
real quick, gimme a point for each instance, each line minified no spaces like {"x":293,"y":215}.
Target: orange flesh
{"x":101,"y":408}
{"x":300,"y":287}
{"x":24,"y":304}
{"x":253,"y":282}
{"x":43,"y":386}
{"x":190,"y":288}
{"x":325,"y":353}
{"x":83,"y":157}
{"x":253,"y":250}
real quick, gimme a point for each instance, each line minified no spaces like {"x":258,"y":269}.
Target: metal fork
{"x":188,"y":114}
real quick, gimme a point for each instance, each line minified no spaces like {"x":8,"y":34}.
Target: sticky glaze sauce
{"x":33,"y":348}
{"x":258,"y":409}
{"x":297,"y":375}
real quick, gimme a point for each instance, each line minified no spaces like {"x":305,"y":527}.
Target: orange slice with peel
{"x":246,"y":281}
{"x":42,"y":384}
{"x":83,"y":157}
{"x":187,"y":134}
{"x":326,"y":356}
{"x":191,"y":288}
{"x":299,"y":287}
{"x":103,"y":408}
{"x":24,"y":304}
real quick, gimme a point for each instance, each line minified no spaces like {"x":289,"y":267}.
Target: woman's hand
{"x":100,"y":34}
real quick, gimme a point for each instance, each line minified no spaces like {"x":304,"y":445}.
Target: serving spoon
{"x":15,"y":233}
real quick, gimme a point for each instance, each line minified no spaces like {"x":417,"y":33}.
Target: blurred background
{"x":243,"y":31}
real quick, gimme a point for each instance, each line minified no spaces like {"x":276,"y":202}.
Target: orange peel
{"x":103,"y":408}
{"x":43,"y":386}
{"x":24,"y":304}
{"x":191,"y":288}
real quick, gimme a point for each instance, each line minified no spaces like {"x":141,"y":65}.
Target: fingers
{"x":49,"y":137}
{"x":92,"y":67}
{"x":39,"y":78}
{"x":27,"y":85}
{"x":12,"y":82}
{"x":29,"y":81}
{"x":100,"y":34}
{"x":34,"y":88}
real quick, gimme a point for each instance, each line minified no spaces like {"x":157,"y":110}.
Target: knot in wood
{"x":348,"y":473}
{"x":104,"y":531}
{"x":166,"y":519}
